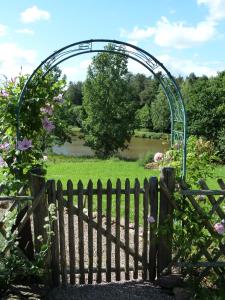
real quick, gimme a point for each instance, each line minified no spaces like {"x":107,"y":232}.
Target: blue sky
{"x":187,"y":36}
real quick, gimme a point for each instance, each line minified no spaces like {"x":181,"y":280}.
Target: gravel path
{"x":111,"y":291}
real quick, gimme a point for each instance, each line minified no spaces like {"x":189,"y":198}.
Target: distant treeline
{"x":204,"y":101}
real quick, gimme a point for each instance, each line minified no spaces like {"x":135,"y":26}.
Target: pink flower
{"x":4,"y":93}
{"x":47,"y":124}
{"x":24,"y":145}
{"x":59,"y":98}
{"x":4,"y":146}
{"x":219,"y":228}
{"x":2,"y":162}
{"x":151,"y":219}
{"x":158,"y":157}
{"x":47,"y":110}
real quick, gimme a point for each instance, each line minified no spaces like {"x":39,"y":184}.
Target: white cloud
{"x":34,"y":14}
{"x":186,"y":66}
{"x":178,"y":34}
{"x":174,"y":34}
{"x":25,"y":31}
{"x":13,"y":58}
{"x":77,"y":73}
{"x":3,"y":30}
{"x":216,"y":9}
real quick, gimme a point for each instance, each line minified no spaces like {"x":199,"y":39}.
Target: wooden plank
{"x":153,"y":247}
{"x":145,"y":231}
{"x":71,"y":232}
{"x":55,"y":269}
{"x":95,"y":191}
{"x":126,"y":229}
{"x":108,"y":230}
{"x":167,"y":177}
{"x":103,"y":232}
{"x":212,"y":200}
{"x":16,"y":198}
{"x":117,"y":246}
{"x":203,"y":192}
{"x":90,"y":232}
{"x":62,"y":233}
{"x":103,"y":270}
{"x":136,"y":226}
{"x":99,"y":233}
{"x":81,"y":231}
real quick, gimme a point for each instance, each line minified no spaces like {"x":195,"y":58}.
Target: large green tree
{"x":110,"y":111}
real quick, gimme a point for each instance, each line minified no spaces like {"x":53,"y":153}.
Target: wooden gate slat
{"x":90,"y":232}
{"x":136,"y":226}
{"x":81,"y":231}
{"x":99,"y":234}
{"x":108,"y":231}
{"x":145,"y":230}
{"x":127,"y":220}
{"x":71,"y":232}
{"x":117,"y":246}
{"x":61,"y":233}
{"x":55,"y":238}
{"x":153,"y":193}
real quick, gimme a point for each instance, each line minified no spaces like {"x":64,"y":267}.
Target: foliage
{"x":147,"y":158}
{"x":143,"y":117}
{"x":13,"y":265}
{"x":40,"y":124}
{"x":160,"y":113}
{"x":201,"y":155}
{"x":110,"y":112}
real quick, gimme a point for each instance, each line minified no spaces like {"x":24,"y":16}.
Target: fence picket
{"x":99,"y":234}
{"x":61,"y":233}
{"x":71,"y":232}
{"x":145,"y":230}
{"x":108,"y":230}
{"x":127,"y":220}
{"x":136,"y":226}
{"x":117,"y":246}
{"x":90,"y":232}
{"x":153,"y":193}
{"x":81,"y":231}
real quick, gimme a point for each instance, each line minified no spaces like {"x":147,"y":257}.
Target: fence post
{"x":37,"y":182}
{"x":167,"y":186}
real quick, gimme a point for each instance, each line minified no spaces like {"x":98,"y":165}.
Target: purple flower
{"x":24,"y":145}
{"x":4,"y":146}
{"x":59,"y":98}
{"x":47,"y":124}
{"x":219,"y":228}
{"x":47,"y":110}
{"x":4,"y":93}
{"x":158,"y":157}
{"x":151,"y":219}
{"x":2,"y":162}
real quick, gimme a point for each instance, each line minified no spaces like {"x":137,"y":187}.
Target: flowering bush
{"x":40,"y":125}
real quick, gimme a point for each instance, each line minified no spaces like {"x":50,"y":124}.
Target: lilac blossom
{"x":24,"y":145}
{"x":2,"y":162}
{"x":47,"y":124}
{"x":47,"y":110}
{"x":158,"y":157}
{"x":151,"y":219}
{"x":4,"y":93}
{"x":219,"y":228}
{"x":59,"y":98}
{"x":4,"y":146}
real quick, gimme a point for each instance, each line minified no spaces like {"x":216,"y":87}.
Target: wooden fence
{"x":105,"y":233}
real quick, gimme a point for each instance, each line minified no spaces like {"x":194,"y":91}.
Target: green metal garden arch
{"x":156,"y":68}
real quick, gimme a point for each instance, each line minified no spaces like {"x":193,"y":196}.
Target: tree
{"x":160,"y":112}
{"x":74,"y":93}
{"x":110,"y":111}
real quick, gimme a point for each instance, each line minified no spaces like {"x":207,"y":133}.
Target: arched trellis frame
{"x":156,"y":68}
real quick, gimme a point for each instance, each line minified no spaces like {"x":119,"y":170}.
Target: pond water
{"x":137,"y":148}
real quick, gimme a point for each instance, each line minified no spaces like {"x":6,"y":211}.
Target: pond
{"x":137,"y":148}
